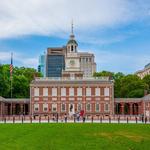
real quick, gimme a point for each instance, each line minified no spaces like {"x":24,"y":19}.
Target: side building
{"x":144,"y":72}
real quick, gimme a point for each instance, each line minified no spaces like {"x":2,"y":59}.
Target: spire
{"x":72,"y":27}
{"x":72,"y":34}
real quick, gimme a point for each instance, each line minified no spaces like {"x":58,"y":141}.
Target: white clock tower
{"x":72,"y":60}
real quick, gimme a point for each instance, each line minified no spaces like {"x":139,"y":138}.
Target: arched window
{"x":72,"y":48}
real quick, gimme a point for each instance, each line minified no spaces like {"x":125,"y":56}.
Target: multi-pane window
{"x":45,"y":91}
{"x":97,"y":91}
{"x":63,"y":107}
{"x":36,"y":91}
{"x":106,"y":91}
{"x":79,"y":91}
{"x":63,"y":91}
{"x":97,"y":107}
{"x":54,"y":91}
{"x":71,"y":91}
{"x":36,"y":107}
{"x":79,"y":107}
{"x":54,"y":107}
{"x":106,"y":107}
{"x":88,"y":91}
{"x":88,"y":107}
{"x":45,"y":107}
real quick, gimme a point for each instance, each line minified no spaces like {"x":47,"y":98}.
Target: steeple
{"x":72,"y":34}
{"x":72,"y":44}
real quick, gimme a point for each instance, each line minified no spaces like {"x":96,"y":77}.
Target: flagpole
{"x":11,"y":70}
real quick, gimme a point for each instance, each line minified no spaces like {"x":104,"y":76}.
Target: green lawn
{"x":74,"y":136}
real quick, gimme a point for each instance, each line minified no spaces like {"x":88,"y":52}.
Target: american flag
{"x":11,"y":65}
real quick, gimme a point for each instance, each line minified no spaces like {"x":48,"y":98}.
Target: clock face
{"x":72,"y":62}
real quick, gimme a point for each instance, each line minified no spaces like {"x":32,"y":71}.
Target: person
{"x":142,"y":118}
{"x":78,"y":117}
{"x":92,"y":119}
{"x":53,"y":118}
{"x":57,"y":117}
{"x":65,"y":117}
{"x":83,"y":119}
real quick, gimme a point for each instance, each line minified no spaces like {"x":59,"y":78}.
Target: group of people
{"x":76,"y":117}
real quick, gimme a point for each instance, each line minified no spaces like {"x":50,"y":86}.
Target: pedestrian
{"x":83,"y":119}
{"x":53,"y":118}
{"x":65,"y":117}
{"x":78,"y":117}
{"x":92,"y":119}
{"x":57,"y":117}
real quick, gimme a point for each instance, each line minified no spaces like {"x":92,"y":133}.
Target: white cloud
{"x":18,"y":58}
{"x":49,"y":17}
{"x":119,"y":62}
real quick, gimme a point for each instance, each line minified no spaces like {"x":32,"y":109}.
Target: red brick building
{"x":70,"y":96}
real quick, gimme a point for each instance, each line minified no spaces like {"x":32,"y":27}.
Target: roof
{"x":128,"y":99}
{"x":72,"y":41}
{"x":56,"y":81}
{"x":24,"y":100}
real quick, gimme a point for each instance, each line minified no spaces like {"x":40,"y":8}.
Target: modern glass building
{"x":55,"y":65}
{"x":42,"y":65}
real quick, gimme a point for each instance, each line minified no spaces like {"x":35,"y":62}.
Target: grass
{"x":74,"y":136}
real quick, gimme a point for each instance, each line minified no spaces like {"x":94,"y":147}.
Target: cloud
{"x":52,"y":17}
{"x":18,"y":58}
{"x":119,"y":62}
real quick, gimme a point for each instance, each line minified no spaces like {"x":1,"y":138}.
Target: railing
{"x":72,"y":79}
{"x":64,"y":119}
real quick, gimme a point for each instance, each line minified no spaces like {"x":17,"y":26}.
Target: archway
{"x":126,"y":108}
{"x":118,"y":108}
{"x":135,"y":109}
{"x":17,"y":109}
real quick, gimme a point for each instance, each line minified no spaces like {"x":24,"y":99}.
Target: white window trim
{"x":88,"y":91}
{"x":79,"y":91}
{"x":86,"y":107}
{"x":63,"y":91}
{"x":45,"y":107}
{"x":54,"y":91}
{"x":71,"y":91}
{"x":45,"y":91}
{"x":36,"y":91}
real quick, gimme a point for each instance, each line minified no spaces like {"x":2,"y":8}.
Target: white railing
{"x":71,"y":79}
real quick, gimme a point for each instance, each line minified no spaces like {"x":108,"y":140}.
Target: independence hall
{"x":68,"y":88}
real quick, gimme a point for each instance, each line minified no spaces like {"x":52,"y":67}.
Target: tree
{"x":127,"y":86}
{"x":146,"y":79}
{"x":22,"y":78}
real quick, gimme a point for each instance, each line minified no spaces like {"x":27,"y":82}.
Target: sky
{"x":116,"y":31}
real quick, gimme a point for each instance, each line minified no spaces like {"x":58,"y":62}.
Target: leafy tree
{"x":146,"y":79}
{"x":128,"y":86}
{"x":22,"y":78}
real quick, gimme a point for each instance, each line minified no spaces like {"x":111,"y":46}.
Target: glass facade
{"x":42,"y":65}
{"x":55,"y":65}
